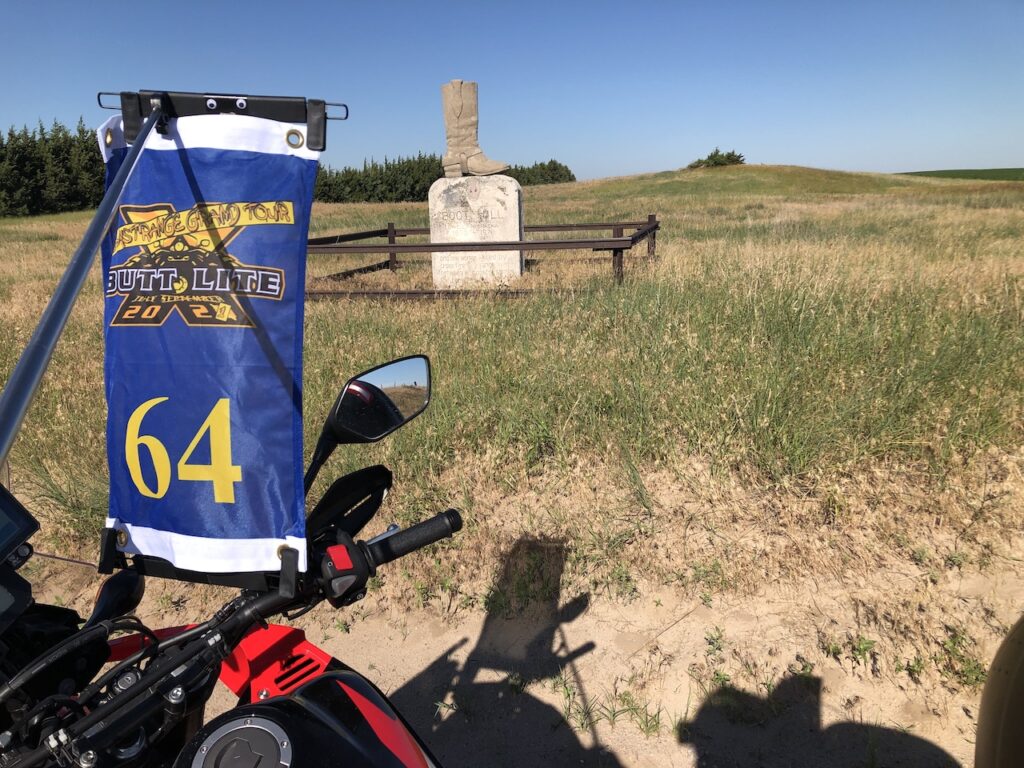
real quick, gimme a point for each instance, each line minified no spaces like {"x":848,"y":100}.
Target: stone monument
{"x":471,"y":204}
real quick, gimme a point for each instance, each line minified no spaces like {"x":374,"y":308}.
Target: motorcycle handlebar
{"x":441,"y":526}
{"x":239,"y":619}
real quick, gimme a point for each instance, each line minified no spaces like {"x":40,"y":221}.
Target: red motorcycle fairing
{"x":306,"y":709}
{"x":336,"y":719}
{"x":388,"y":727}
{"x":267,"y":662}
{"x":273,"y":661}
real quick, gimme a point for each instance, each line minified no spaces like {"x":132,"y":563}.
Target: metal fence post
{"x":652,"y":239}
{"x":392,"y":255}
{"x":617,"y":258}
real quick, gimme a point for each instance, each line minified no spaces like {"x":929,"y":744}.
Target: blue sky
{"x":608,"y":88}
{"x":400,"y":374}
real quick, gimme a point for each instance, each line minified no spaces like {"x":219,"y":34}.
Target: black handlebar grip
{"x":415,"y":537}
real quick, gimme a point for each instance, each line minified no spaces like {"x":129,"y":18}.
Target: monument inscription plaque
{"x":476,"y":209}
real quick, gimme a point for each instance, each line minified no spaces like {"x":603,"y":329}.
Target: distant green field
{"x":990,"y":174}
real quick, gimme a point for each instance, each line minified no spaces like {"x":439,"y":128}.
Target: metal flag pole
{"x":21,"y":387}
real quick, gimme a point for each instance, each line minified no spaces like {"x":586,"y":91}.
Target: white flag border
{"x":210,"y":555}
{"x":228,"y":132}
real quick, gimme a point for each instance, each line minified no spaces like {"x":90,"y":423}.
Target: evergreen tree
{"x":3,"y":181}
{"x":86,"y":166}
{"x":23,"y":174}
{"x":59,"y":182}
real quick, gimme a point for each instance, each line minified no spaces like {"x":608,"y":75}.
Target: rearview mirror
{"x":371,"y":406}
{"x":378,"y":401}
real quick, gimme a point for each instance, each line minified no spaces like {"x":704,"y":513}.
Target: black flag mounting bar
{"x":136,"y":107}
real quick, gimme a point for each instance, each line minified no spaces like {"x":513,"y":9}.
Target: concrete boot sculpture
{"x":461,"y":123}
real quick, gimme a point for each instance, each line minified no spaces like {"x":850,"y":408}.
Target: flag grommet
{"x":295,"y":139}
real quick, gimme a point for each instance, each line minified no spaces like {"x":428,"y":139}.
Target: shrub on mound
{"x":716,"y":158}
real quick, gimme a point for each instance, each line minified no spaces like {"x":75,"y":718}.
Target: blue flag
{"x":204,"y":274}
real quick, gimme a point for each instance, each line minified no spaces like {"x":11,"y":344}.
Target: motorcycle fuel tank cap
{"x":247,"y":742}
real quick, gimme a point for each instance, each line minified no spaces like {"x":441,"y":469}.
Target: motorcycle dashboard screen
{"x":16,"y":524}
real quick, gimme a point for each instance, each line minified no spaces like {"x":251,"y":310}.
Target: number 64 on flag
{"x":220,"y":471}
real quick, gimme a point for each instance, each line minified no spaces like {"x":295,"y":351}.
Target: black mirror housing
{"x":375,"y":403}
{"x":372,"y":405}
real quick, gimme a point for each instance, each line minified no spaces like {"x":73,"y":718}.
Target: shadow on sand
{"x":783,"y":730}
{"x":481,"y":712}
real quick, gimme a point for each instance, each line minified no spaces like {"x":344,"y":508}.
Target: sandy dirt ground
{"x":707,"y":624}
{"x":601,"y":681}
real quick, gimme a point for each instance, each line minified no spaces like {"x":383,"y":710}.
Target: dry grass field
{"x":786,"y":456}
{"x":407,"y":399}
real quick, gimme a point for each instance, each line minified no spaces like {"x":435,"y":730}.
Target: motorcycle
{"x":297,"y":705}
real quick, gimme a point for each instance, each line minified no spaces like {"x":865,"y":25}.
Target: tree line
{"x":52,"y":170}
{"x":49,"y":171}
{"x":408,"y":179}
